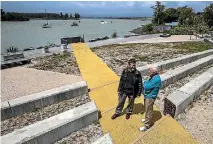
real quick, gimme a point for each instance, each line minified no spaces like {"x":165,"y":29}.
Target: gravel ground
{"x":21,"y":81}
{"x":173,"y":87}
{"x":117,"y":56}
{"x":85,"y":135}
{"x":62,"y":63}
{"x":198,"y":118}
{"x":19,"y":122}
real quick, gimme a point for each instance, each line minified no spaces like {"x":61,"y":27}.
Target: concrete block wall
{"x":181,"y":72}
{"x":55,"y":128}
{"x":176,"y":61}
{"x":178,"y":101}
{"x":19,"y":106}
{"x":208,"y":40}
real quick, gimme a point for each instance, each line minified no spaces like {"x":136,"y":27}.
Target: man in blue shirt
{"x":151,"y":89}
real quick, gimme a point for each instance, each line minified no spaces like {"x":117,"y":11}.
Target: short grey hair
{"x":154,"y":67}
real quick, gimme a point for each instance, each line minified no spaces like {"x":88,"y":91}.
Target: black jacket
{"x":137,"y":82}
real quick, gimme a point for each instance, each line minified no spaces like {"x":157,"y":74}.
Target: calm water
{"x":30,"y":34}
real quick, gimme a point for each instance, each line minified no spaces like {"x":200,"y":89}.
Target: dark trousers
{"x":121,"y":101}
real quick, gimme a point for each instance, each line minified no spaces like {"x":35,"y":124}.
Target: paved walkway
{"x":173,"y":38}
{"x":121,"y":40}
{"x":20,"y":81}
{"x":103,"y":83}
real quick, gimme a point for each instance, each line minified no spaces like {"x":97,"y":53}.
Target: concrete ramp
{"x":103,"y":83}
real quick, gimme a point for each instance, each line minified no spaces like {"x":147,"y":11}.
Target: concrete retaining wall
{"x":208,"y":40}
{"x":174,"y":75}
{"x":178,"y":101}
{"x":106,"y":139}
{"x":19,"y":106}
{"x":176,"y":61}
{"x":54,"y":128}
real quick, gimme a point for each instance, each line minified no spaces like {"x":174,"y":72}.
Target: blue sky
{"x":94,"y":8}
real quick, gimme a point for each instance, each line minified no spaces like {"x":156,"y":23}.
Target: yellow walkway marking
{"x":103,"y":83}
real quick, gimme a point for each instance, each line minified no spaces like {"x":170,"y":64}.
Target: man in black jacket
{"x":130,"y":86}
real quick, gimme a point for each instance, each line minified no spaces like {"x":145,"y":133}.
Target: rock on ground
{"x":117,"y":56}
{"x":63,"y":63}
{"x":85,"y":135}
{"x":198,"y":118}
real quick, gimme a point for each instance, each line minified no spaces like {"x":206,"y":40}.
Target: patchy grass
{"x":186,"y":46}
{"x":141,"y":57}
{"x":119,"y":61}
{"x":117,"y":55}
{"x":63,"y":63}
{"x":12,"y":49}
{"x":193,"y":46}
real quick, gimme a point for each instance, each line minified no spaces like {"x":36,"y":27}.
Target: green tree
{"x":158,"y":11}
{"x":77,"y":16}
{"x":2,"y":12}
{"x":186,"y":15}
{"x":61,"y":15}
{"x":71,"y":16}
{"x":208,"y":15}
{"x":66,"y":16}
{"x":171,"y":15}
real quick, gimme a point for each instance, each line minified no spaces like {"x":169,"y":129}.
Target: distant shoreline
{"x":32,"y":19}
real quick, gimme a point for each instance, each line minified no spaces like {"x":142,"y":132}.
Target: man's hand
{"x":138,"y":96}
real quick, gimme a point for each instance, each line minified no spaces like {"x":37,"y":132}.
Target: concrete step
{"x":54,"y":128}
{"x":174,"y":75}
{"x":106,"y":139}
{"x":178,"y":101}
{"x":176,"y":61}
{"x":208,"y":40}
{"x":21,"y":105}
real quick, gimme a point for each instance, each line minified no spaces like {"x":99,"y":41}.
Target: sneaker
{"x":114,"y":116}
{"x":143,"y":120}
{"x":128,"y":116}
{"x":143,"y":129}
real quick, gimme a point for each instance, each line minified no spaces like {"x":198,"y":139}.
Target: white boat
{"x":46,"y":25}
{"x":104,"y":22}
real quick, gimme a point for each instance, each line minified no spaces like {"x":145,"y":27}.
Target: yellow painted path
{"x":103,"y":83}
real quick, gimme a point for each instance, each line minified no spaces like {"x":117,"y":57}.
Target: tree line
{"x":183,"y":15}
{"x":13,"y":16}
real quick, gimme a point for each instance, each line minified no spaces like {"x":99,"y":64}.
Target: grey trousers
{"x":148,"y":103}
{"x":121,"y":101}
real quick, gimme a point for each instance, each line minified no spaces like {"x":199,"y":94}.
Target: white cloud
{"x":148,"y":4}
{"x":128,"y":4}
{"x":182,"y":3}
{"x":103,"y":4}
{"x":90,"y":4}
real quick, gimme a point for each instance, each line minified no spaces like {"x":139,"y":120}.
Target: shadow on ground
{"x":139,"y":109}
